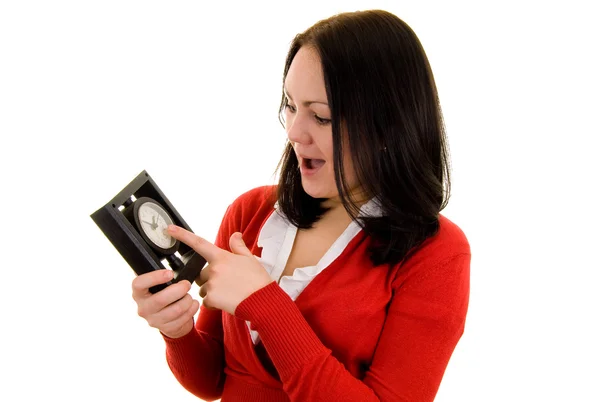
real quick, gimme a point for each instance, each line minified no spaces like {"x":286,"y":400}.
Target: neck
{"x":337,"y":213}
{"x":357,"y":196}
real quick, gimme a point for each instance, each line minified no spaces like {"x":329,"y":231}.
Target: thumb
{"x":237,"y":245}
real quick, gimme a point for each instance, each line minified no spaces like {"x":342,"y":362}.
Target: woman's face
{"x":308,"y":126}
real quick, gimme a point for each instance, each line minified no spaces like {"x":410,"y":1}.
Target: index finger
{"x":206,"y":249}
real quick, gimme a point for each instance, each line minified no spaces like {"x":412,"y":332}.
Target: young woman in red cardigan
{"x":343,"y":282}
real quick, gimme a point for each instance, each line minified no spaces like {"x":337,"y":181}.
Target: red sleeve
{"x":197,"y":359}
{"x":425,"y":320}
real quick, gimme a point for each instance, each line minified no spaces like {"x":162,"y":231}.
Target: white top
{"x":277,"y":238}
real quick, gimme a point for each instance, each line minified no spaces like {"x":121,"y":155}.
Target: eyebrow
{"x":305,"y":103}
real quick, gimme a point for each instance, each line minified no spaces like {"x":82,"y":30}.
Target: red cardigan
{"x":356,"y":333}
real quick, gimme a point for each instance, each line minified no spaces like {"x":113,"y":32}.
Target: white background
{"x":91,"y":93}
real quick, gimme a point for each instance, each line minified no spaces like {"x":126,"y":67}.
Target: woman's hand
{"x":171,"y":310}
{"x":228,"y":278}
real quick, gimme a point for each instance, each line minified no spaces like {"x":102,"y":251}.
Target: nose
{"x":297,"y":130}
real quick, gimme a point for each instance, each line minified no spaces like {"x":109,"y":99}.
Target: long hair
{"x":381,"y":90}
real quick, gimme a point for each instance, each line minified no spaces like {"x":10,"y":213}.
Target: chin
{"x":319,"y":191}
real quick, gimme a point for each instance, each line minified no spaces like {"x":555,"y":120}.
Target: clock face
{"x":154,"y":220}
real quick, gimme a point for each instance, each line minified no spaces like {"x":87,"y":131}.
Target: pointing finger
{"x":203,"y":247}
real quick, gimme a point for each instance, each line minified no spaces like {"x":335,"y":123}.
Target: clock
{"x":135,"y":220}
{"x":151,"y":221}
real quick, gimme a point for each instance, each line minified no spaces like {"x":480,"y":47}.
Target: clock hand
{"x":151,"y":224}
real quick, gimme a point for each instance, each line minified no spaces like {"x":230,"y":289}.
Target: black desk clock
{"x":135,"y":220}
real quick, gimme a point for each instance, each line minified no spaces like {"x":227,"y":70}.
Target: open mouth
{"x":312,"y":165}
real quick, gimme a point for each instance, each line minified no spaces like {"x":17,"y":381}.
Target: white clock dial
{"x":154,"y":221}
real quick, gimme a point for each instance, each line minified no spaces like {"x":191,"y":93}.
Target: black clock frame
{"x":130,"y":243}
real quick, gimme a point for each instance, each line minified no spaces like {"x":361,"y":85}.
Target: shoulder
{"x":251,"y":207}
{"x":450,"y":240}
{"x":255,"y":199}
{"x":447,"y":251}
{"x":451,"y":237}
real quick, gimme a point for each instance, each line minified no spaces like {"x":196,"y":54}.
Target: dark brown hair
{"x":380,"y":88}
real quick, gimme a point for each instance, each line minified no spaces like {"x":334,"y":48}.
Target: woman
{"x":346,"y":283}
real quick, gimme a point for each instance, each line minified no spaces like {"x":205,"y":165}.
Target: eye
{"x":289,"y":107}
{"x":322,"y":121}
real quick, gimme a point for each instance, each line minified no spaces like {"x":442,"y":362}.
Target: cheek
{"x":326,"y":146}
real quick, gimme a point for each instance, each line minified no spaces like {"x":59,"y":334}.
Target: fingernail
{"x":169,"y":274}
{"x":171,"y":228}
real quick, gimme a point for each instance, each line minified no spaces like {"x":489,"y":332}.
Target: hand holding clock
{"x":228,"y":279}
{"x":171,"y":310}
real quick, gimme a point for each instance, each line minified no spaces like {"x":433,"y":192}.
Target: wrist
{"x":181,"y":332}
